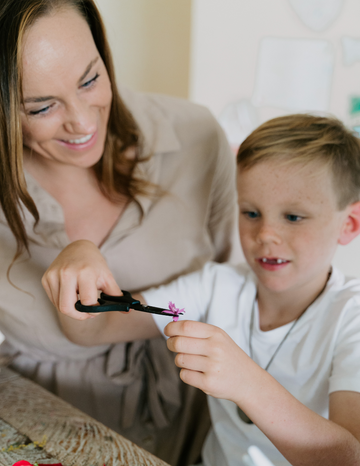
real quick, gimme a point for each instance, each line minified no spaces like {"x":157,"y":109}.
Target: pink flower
{"x":174,"y":310}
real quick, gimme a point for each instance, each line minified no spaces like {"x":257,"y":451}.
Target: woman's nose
{"x":268,"y":233}
{"x":80,"y":118}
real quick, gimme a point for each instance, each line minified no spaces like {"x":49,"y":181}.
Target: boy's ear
{"x":351,"y":227}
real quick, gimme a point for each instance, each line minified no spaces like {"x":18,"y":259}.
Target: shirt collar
{"x":155,"y":125}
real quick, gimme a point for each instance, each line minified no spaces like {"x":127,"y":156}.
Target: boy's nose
{"x":268,"y":234}
{"x":81,"y":119}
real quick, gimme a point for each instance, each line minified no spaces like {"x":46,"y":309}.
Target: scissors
{"x":124,"y":304}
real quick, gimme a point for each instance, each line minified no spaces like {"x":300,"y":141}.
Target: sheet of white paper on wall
{"x":317,"y":14}
{"x":294,"y":74}
{"x":351,"y":50}
{"x":238,"y":120}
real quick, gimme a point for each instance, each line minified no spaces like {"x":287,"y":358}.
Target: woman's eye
{"x":293,"y":218}
{"x":90,"y":82}
{"x":40,"y":112}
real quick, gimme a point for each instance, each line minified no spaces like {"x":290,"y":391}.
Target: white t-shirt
{"x":321,"y":354}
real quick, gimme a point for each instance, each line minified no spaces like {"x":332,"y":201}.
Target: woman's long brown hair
{"x":114,"y":171}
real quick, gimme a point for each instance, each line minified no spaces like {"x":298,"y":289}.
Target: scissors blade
{"x":156,"y":310}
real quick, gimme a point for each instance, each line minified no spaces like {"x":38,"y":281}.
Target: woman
{"x":147,"y":179}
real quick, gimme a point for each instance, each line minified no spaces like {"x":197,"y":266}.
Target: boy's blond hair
{"x":305,"y":139}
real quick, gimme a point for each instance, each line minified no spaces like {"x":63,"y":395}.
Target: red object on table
{"x":26,"y":463}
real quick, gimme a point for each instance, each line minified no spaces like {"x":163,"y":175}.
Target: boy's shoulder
{"x":342,"y":289}
{"x":341,"y":300}
{"x":343,"y":286}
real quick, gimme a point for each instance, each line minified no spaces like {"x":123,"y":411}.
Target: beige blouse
{"x":133,"y":388}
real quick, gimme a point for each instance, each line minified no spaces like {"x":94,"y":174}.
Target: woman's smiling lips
{"x":272,"y":263}
{"x":84,"y":143}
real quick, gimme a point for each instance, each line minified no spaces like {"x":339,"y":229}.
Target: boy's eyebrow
{"x":49,"y":97}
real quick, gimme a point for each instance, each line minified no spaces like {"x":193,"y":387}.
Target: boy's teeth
{"x":277,"y":261}
{"x":81,"y":140}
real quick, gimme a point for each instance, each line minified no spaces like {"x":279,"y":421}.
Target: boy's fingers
{"x":192,"y":362}
{"x":189,"y":328}
{"x":193,"y":378}
{"x":188,"y":345}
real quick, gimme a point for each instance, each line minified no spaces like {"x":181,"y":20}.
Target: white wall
{"x":226,"y":37}
{"x":150,"y":40}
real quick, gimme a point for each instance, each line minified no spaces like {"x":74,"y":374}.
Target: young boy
{"x":276,"y":342}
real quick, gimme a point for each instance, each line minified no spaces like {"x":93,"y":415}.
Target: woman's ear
{"x":351,"y":226}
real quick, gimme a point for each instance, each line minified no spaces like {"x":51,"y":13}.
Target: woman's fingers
{"x":68,"y":296}
{"x":52,"y":292}
{"x":79,"y":272}
{"x":108,"y":285}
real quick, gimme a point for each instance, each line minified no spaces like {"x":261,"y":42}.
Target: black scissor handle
{"x":110,"y":303}
{"x":126,"y":298}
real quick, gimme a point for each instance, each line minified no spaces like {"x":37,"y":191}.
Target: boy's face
{"x":289,"y":224}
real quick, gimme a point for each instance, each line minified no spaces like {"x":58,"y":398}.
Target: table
{"x":40,"y":427}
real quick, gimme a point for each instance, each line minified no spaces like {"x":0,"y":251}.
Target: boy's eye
{"x":293,"y":218}
{"x":90,"y":82}
{"x":251,"y":214}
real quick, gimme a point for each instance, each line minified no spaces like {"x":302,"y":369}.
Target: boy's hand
{"x":209,"y":359}
{"x":79,"y":269}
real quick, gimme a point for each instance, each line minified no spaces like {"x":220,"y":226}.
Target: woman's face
{"x":67,"y":91}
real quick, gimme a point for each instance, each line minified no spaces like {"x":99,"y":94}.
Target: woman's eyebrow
{"x":38,"y":99}
{"x":49,"y":97}
{"x":86,"y":72}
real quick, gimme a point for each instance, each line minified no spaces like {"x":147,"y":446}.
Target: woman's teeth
{"x":81,"y":140}
{"x":273,"y":261}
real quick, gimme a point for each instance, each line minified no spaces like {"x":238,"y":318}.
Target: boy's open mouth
{"x":272,"y":260}
{"x":272,"y":263}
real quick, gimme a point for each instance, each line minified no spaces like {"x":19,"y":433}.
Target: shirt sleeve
{"x":345,"y":374}
{"x":193,"y":292}
{"x":223,"y":220}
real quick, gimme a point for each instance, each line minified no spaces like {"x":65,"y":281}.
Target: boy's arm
{"x":344,"y":409}
{"x":210,"y":360}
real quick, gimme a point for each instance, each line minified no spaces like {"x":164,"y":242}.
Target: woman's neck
{"x":53,"y":173}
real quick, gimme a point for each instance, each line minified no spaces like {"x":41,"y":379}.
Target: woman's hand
{"x":79,"y":269}
{"x":209,"y":359}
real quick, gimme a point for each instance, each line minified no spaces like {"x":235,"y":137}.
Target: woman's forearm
{"x":110,"y":327}
{"x":87,"y":332}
